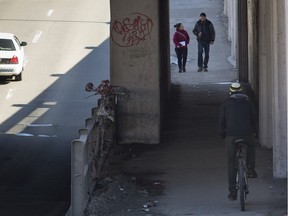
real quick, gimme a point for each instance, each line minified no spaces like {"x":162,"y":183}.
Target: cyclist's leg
{"x":232,"y":171}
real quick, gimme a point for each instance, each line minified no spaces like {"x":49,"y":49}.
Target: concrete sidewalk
{"x":189,"y":166}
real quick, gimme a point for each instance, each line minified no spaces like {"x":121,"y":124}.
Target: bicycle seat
{"x":238,"y":141}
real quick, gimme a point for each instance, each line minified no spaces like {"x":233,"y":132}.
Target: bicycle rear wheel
{"x":241,"y":184}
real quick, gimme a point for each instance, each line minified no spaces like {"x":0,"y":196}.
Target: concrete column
{"x":234,"y":30}
{"x":242,"y":60}
{"x":253,"y":45}
{"x":135,"y":66}
{"x":273,"y":81}
{"x":286,"y":69}
{"x":280,"y":89}
{"x":230,"y":10}
{"x":265,"y":74}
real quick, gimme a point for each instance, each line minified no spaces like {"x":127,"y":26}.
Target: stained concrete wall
{"x":135,"y":66}
{"x":273,"y":81}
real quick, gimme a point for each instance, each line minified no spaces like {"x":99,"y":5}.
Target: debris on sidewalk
{"x":121,"y":196}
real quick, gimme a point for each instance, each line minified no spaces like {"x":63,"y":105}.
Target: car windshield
{"x":6,"y":45}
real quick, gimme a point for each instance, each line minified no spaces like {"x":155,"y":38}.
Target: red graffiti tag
{"x":132,"y":30}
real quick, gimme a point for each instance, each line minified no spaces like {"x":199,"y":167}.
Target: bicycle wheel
{"x":241,"y":184}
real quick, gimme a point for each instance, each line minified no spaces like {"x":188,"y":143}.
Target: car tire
{"x":18,"y":77}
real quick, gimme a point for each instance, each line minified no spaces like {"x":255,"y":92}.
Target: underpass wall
{"x":230,"y":11}
{"x":267,"y":71}
{"x":253,"y":6}
{"x":273,"y":81}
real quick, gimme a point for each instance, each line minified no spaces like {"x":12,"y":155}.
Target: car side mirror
{"x":23,"y":43}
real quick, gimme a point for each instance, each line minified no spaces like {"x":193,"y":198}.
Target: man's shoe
{"x":232,"y":196}
{"x":205,"y":69}
{"x":251,"y":173}
{"x":199,"y":69}
{"x":184,"y":69}
{"x":180,"y":70}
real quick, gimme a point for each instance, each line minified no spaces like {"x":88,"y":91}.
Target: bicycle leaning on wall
{"x":102,"y":137}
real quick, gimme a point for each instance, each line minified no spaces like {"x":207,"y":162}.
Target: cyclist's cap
{"x":235,"y":87}
{"x":203,"y":14}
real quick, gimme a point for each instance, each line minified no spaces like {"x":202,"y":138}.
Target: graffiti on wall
{"x":132,"y":30}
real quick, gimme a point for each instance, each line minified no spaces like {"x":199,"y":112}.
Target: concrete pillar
{"x":252,"y":9}
{"x":242,"y":60}
{"x":286,"y":69}
{"x":135,"y":65}
{"x":280,"y":90}
{"x":230,"y":10}
{"x":273,"y":81}
{"x":265,"y":96}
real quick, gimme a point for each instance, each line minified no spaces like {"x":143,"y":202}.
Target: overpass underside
{"x":140,"y":61}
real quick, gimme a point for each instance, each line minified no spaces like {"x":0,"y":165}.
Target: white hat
{"x":235,"y":87}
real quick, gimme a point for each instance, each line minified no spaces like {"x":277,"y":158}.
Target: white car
{"x":11,"y":56}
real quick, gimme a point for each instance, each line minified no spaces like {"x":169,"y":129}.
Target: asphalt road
{"x":68,"y":46}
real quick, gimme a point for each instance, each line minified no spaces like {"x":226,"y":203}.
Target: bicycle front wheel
{"x":241,"y":184}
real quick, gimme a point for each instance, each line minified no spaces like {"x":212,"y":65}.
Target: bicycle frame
{"x":242,"y":179}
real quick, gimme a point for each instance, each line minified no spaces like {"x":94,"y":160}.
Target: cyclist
{"x":238,"y":120}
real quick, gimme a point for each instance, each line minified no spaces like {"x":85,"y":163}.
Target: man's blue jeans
{"x":203,"y":46}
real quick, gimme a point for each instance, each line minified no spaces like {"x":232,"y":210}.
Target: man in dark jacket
{"x":238,"y":120}
{"x":205,"y":33}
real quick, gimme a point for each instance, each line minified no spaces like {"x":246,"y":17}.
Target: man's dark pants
{"x":181,"y":56}
{"x":206,"y":47}
{"x":231,"y":150}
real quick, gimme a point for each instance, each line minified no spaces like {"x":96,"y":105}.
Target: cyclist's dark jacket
{"x":238,"y":116}
{"x":207,"y":29}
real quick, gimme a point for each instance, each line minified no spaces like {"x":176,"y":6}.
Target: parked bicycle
{"x":102,"y":139}
{"x":242,"y":178}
